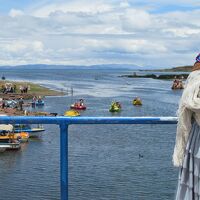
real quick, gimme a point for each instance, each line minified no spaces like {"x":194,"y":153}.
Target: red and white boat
{"x":77,"y":106}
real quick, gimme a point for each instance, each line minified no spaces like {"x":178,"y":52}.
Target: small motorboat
{"x":8,"y":139}
{"x":27,"y":128}
{"x":33,"y":132}
{"x":115,"y":107}
{"x":37,"y":103}
{"x":72,"y":113}
{"x":78,"y":105}
{"x":177,"y":84}
{"x":5,"y":134}
{"x":137,"y":102}
{"x":7,"y":144}
{"x":179,"y":87}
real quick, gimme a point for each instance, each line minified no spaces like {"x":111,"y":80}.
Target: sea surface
{"x":104,"y":161}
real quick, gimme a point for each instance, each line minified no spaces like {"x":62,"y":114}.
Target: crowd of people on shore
{"x":12,"y":88}
{"x":8,"y":88}
{"x":24,"y":88}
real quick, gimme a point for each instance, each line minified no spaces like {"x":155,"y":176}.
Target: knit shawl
{"x":189,"y":106}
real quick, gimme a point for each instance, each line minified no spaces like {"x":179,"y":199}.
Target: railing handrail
{"x":64,"y":122}
{"x":86,"y":120}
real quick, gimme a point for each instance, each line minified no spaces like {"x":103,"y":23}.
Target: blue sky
{"x":84,"y":32}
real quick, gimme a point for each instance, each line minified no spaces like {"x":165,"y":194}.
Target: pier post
{"x":64,"y":161}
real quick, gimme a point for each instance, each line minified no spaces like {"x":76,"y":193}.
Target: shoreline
{"x":34,"y":90}
{"x":160,"y":77}
{"x":16,"y":94}
{"x":16,"y":112}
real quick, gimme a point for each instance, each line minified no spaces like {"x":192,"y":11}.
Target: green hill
{"x":177,"y":69}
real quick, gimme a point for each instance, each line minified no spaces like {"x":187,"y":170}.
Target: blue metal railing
{"x":64,"y":122}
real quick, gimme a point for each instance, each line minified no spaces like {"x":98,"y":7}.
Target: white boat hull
{"x":9,"y":146}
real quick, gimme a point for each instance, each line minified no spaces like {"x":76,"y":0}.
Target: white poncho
{"x":189,"y":107}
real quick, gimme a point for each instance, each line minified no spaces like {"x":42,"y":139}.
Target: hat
{"x":198,"y":58}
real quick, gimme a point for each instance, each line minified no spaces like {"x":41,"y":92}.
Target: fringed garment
{"x":189,"y":175}
{"x":187,"y":148}
{"x":189,"y":108}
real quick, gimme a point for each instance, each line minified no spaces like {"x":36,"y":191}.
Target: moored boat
{"x":8,"y":140}
{"x":78,"y":105}
{"x":9,"y":145}
{"x":37,"y":103}
{"x":137,"y":102}
{"x":33,"y":132}
{"x":115,"y":107}
{"x":177,"y":84}
{"x":72,"y":113}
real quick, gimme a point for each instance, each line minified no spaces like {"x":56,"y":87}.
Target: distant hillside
{"x":177,"y":69}
{"x":100,"y":66}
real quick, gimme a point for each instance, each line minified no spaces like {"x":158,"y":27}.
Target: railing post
{"x":64,"y":161}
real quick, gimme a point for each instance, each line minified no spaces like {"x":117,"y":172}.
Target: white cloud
{"x":95,"y":32}
{"x":21,"y":46}
{"x":124,"y":4}
{"x":183,"y":32}
{"x":134,"y":19}
{"x":15,"y":13}
{"x":125,"y":46}
{"x":37,"y":46}
{"x":84,"y":6}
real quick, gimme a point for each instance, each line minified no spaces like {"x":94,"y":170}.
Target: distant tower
{"x":72,"y":91}
{"x":3,"y":77}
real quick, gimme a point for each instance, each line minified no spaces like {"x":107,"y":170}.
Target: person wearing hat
{"x":186,"y":154}
{"x":21,"y":102}
{"x":197,"y":63}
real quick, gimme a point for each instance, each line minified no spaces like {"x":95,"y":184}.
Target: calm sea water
{"x":104,"y":161}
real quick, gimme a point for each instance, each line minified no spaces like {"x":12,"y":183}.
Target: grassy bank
{"x":33,"y":89}
{"x":174,"y":69}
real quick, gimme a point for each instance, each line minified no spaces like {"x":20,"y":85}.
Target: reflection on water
{"x":8,"y":159}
